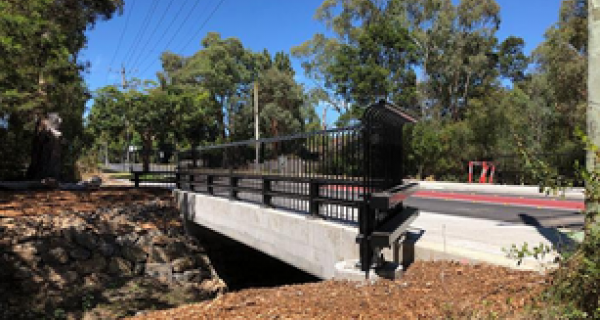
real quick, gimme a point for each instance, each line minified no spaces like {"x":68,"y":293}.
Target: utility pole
{"x":593,"y":89}
{"x":125,"y":85}
{"x":324,"y":119}
{"x":256,"y":131}
{"x":123,"y":77}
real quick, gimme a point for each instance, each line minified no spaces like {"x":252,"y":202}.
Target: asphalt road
{"x":509,"y":213}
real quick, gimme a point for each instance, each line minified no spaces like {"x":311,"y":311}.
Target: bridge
{"x":331,"y":203}
{"x":312,"y":200}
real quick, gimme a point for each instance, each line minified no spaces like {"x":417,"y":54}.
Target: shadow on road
{"x":559,"y":239}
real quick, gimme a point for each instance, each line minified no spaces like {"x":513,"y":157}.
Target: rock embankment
{"x":55,"y":262}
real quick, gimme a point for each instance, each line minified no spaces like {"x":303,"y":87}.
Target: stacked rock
{"x":56,"y":251}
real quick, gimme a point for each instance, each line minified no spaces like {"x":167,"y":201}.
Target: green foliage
{"x":206,"y":98}
{"x":376,"y":65}
{"x":512,"y":62}
{"x":538,"y":252}
{"x":59,"y":314}
{"x":575,"y":286}
{"x":40,"y":72}
{"x":426,"y":148}
{"x":87,"y":302}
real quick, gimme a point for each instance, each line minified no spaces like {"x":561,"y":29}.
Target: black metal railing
{"x":304,"y":172}
{"x":330,"y":174}
{"x":155,"y":167}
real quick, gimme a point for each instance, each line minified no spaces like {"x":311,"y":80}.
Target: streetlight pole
{"x":256,"y":131}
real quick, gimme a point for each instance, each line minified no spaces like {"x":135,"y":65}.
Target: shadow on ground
{"x":242,"y":267}
{"x":559,"y":239}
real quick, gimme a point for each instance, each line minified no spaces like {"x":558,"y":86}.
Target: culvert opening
{"x":242,"y":267}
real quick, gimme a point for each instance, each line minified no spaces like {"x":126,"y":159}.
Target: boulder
{"x":79,"y":254}
{"x":56,"y":256}
{"x":87,"y":240}
{"x":161,"y":240}
{"x":196,"y":275}
{"x":95,"y":264}
{"x":60,"y":277}
{"x":106,"y":249}
{"x":182,"y":264}
{"x":127,"y":239}
{"x":26,"y":251}
{"x":23,"y":272}
{"x":133,"y":253}
{"x":120,"y":266}
{"x":161,"y":271}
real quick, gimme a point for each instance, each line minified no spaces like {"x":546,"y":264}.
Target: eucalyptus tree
{"x":224,"y":68}
{"x":281,"y":101}
{"x":191,"y":119}
{"x":378,"y":46}
{"x":365,"y":59}
{"x":40,"y":69}
{"x":562,"y":58}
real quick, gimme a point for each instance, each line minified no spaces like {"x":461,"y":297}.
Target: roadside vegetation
{"x":574,"y":291}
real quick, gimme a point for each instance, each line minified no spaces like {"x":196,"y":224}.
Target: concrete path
{"x":481,"y":240}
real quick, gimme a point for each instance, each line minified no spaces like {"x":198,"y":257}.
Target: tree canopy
{"x":40,"y":71}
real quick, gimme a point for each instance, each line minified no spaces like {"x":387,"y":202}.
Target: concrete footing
{"x":350,"y":270}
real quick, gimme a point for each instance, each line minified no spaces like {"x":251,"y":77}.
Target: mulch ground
{"x":428,"y":289}
{"x":20,"y":203}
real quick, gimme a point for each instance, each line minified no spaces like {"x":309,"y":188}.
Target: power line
{"x":121,"y":37}
{"x":203,"y":25}
{"x":163,"y":35}
{"x":137,"y":59}
{"x":140,"y":33}
{"x":178,"y":30}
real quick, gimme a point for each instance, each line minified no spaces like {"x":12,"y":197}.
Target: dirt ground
{"x":428,"y":289}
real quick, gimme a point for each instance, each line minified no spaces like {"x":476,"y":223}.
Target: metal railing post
{"x":233,"y":184}
{"x":266,"y":189}
{"x":313,"y":194}
{"x":209,"y":184}
{"x":136,"y":179}
{"x":364,"y":245}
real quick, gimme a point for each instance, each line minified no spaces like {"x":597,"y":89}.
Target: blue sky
{"x":277,"y":25}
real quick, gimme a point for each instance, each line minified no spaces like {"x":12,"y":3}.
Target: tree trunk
{"x":146,"y":151}
{"x":46,"y":149}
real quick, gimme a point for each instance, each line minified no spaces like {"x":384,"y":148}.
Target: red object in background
{"x":486,"y":166}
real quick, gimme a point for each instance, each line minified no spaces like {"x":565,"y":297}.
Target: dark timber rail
{"x":350,"y":175}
